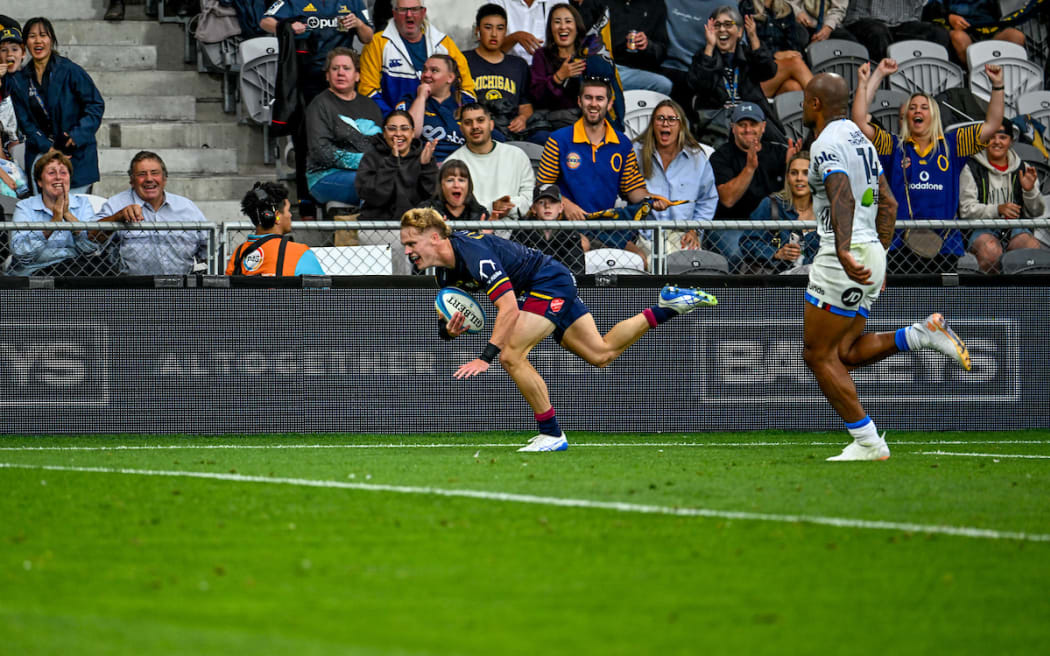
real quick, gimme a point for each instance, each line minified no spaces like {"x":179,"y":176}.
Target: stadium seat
{"x":886,"y":109}
{"x":983,"y":52}
{"x":96,"y":201}
{"x":1019,"y":77}
{"x":371,"y":260}
{"x":258,"y":77}
{"x":638,"y":108}
{"x":968,"y":264}
{"x":1035,"y":39}
{"x":534,"y":151}
{"x":926,"y":75}
{"x":1026,"y":260}
{"x":837,"y":56}
{"x":904,"y":51}
{"x":614,"y":260}
{"x":1036,"y":103}
{"x":697,"y":261}
{"x":789,"y":108}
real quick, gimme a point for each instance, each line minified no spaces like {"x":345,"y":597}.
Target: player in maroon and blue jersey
{"x":549,"y":304}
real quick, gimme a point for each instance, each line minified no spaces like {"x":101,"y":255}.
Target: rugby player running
{"x":855,"y":212}
{"x":504,"y":269}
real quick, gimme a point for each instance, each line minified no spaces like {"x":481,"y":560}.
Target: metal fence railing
{"x":349,"y":247}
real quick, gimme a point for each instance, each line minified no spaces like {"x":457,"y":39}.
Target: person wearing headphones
{"x":271,"y":251}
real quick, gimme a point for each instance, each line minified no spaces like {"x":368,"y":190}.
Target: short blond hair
{"x":423,"y":218}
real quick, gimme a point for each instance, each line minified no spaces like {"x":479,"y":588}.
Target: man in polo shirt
{"x":155,"y":252}
{"x":592,"y":163}
{"x":747,"y":169}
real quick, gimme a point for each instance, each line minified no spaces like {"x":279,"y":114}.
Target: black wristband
{"x":443,"y":329}
{"x":490,"y":352}
{"x":999,"y":88}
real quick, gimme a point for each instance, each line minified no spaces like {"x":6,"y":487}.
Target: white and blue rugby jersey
{"x":843,"y":148}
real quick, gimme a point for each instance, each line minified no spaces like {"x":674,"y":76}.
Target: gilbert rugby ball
{"x":451,"y":300}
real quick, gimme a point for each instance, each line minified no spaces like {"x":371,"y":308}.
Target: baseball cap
{"x":748,"y":110}
{"x":546,"y":191}
{"x":11,"y":34}
{"x":1010,"y":128}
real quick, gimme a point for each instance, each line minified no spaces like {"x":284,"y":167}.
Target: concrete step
{"x":199,"y":188}
{"x":220,"y":211}
{"x":168,"y":83}
{"x":178,"y":160}
{"x":109,"y":58}
{"x":151,"y":135}
{"x":118,"y":33}
{"x":21,"y":10}
{"x":167,"y":38}
{"x":158,"y":108}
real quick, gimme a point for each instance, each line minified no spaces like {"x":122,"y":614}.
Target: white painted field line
{"x":841,"y":522}
{"x":984,"y":455}
{"x":161,"y":447}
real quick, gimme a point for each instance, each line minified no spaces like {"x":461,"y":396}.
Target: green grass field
{"x":744,"y":543}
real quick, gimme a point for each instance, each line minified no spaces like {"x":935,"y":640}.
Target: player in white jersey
{"x":855,"y":212}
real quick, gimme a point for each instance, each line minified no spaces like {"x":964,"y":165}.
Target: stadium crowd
{"x":389,"y":114}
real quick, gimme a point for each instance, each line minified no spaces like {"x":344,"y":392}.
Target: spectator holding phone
{"x":57,"y":105}
{"x":996,"y":184}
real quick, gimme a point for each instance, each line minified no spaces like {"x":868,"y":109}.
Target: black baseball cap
{"x":11,"y":34}
{"x":546,"y":191}
{"x":7,"y":21}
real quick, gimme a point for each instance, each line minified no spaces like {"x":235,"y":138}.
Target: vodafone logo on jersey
{"x":924,"y":183}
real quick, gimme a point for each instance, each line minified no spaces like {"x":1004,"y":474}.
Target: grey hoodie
{"x":1000,"y":191}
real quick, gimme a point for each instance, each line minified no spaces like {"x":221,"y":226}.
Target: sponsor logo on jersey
{"x":310,"y":7}
{"x":573,"y":160}
{"x":315,"y":23}
{"x":253,"y":260}
{"x":924,"y":183}
{"x":556,"y":304}
{"x":395,"y":63}
{"x":825,"y":158}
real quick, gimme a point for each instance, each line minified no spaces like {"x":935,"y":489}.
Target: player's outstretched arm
{"x":506,"y":317}
{"x":886,"y":217}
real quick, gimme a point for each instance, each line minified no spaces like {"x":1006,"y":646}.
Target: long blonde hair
{"x":778,"y":9}
{"x":648,"y":138}
{"x":785,"y":193}
{"x":936,"y":127}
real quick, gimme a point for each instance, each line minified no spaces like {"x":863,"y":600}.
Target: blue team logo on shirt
{"x":394,"y":63}
{"x":573,"y":160}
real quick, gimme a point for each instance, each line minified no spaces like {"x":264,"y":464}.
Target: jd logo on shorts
{"x":852,"y":296}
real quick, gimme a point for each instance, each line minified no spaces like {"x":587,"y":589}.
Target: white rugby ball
{"x":451,"y":300}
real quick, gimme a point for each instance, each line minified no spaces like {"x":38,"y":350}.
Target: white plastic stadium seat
{"x":903,"y":51}
{"x":837,"y":56}
{"x":258,"y":77}
{"x":96,"y":201}
{"x":1019,"y":77}
{"x":638,"y":109}
{"x":697,"y":261}
{"x":533,"y":150}
{"x":355,"y":260}
{"x":886,"y":109}
{"x":614,"y":260}
{"x":980,"y":53}
{"x":926,"y":75}
{"x":1036,"y":103}
{"x":789,"y":108}
{"x":1026,"y":260}
{"x":642,"y":99}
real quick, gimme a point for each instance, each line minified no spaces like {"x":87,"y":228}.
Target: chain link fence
{"x":65,"y":249}
{"x":349,"y":247}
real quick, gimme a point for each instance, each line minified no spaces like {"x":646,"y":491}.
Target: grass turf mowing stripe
{"x":984,"y":455}
{"x":158,"y":447}
{"x":841,"y":522}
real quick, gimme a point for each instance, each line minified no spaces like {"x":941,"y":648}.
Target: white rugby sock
{"x":866,"y":434}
